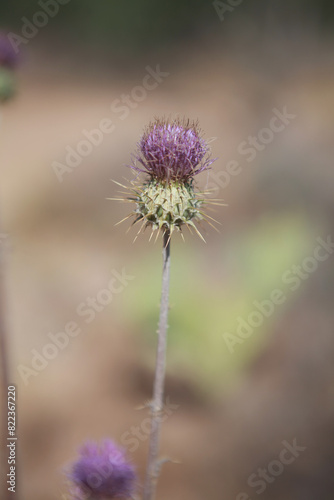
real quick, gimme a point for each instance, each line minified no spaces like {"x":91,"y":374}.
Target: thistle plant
{"x":170,"y":155}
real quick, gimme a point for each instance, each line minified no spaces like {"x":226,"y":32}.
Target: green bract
{"x":167,"y":205}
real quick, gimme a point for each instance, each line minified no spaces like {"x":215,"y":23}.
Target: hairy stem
{"x":153,"y":466}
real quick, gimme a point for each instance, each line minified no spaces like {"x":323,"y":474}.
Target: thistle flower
{"x":8,"y":61}
{"x":8,"y":56}
{"x":170,"y":154}
{"x":172,"y":151}
{"x":102,"y":472}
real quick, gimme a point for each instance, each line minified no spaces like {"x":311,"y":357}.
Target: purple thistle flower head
{"x":102,"y":472}
{"x":172,"y":151}
{"x":8,"y":56}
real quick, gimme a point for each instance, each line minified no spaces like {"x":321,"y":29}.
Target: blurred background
{"x":251,"y":345}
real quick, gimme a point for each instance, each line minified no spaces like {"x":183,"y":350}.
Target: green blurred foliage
{"x":133,"y":23}
{"x":204,"y":307}
{"x":148,"y":24}
{"x":7,"y":85}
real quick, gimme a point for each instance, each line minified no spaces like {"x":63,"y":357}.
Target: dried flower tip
{"x":102,"y":472}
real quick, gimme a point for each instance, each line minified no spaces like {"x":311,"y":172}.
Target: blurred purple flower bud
{"x":102,"y":472}
{"x":8,"y":56}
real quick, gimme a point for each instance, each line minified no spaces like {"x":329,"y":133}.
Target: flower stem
{"x":153,"y":466}
{"x":4,"y":376}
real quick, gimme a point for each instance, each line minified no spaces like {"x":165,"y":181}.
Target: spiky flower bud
{"x":171,"y":154}
{"x":102,"y":472}
{"x":167,"y":205}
